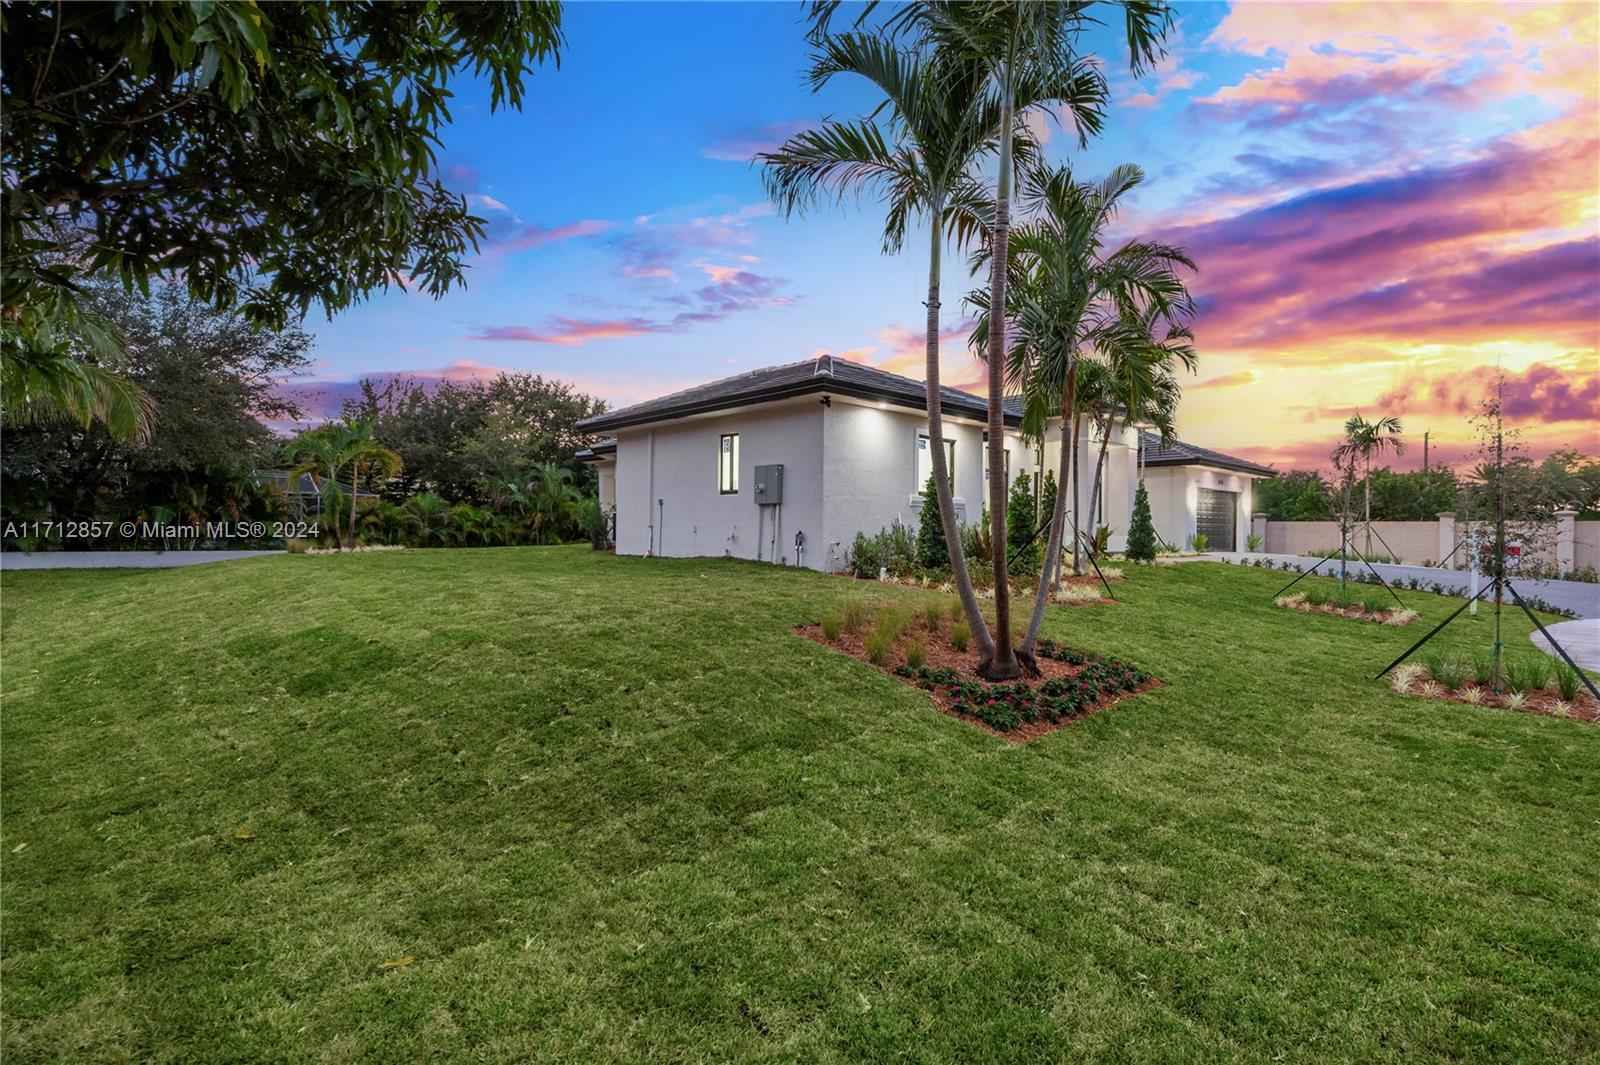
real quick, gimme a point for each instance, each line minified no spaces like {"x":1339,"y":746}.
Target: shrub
{"x":865,"y":557}
{"x":1483,"y":667}
{"x":1199,"y":542}
{"x":1023,"y":553}
{"x":854,"y":617}
{"x":933,"y":615}
{"x":878,"y":643}
{"x":916,"y":655}
{"x":960,"y":635}
{"x":832,"y":625}
{"x":1519,"y":674}
{"x":1141,"y":534}
{"x":975,"y":544}
{"x":1567,"y":681}
{"x":1253,"y":542}
{"x":1316,"y":596}
{"x":932,"y":551}
{"x":1448,"y":670}
{"x":1374,"y":603}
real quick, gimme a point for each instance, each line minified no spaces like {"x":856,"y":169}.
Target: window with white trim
{"x":728,"y":464}
{"x":925,"y":461}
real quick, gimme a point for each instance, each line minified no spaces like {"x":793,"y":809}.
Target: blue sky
{"x":632,"y":251}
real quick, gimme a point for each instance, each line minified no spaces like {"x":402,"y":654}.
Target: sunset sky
{"x":1385,"y":202}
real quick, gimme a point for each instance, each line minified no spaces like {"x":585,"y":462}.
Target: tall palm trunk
{"x":1052,"y":549}
{"x":1099,"y":471}
{"x":1077,"y":495}
{"x":355,"y":479}
{"x":941,"y":471}
{"x":1002,"y":665}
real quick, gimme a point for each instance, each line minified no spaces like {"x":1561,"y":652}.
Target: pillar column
{"x":1566,"y":539}
{"x":1447,"y":538}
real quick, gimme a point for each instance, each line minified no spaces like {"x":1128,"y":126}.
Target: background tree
{"x":1363,"y":440}
{"x":467,"y":440}
{"x":268,"y":157}
{"x":1294,"y":495}
{"x":209,"y":378}
{"x":1141,"y":530}
{"x":932,"y":550}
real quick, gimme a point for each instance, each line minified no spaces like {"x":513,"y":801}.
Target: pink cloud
{"x":568,"y":331}
{"x":744,"y":145}
{"x":524,"y":237}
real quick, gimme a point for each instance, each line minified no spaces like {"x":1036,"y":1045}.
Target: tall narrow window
{"x":925,"y":462}
{"x":728,"y":464}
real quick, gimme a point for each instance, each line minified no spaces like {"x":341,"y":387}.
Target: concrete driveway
{"x":18,"y":560}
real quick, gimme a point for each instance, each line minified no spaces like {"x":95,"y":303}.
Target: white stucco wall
{"x":676,"y":464}
{"x":1174,"y":497}
{"x":870,"y":470}
{"x":852,"y":467}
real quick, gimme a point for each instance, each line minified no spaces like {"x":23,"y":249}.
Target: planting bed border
{"x":947,"y":676}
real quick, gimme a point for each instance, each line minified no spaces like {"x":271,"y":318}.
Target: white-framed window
{"x":728,"y":464}
{"x":1005,"y":460}
{"x":925,"y":462}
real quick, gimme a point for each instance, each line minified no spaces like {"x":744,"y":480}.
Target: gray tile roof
{"x":825,"y":374}
{"x":1177,"y":453}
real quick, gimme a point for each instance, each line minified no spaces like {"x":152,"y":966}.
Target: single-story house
{"x":786,"y":464}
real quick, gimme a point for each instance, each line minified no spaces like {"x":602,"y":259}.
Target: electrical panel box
{"x":769,"y":485}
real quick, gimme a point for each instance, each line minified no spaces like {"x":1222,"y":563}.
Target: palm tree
{"x":1027,"y":50}
{"x":554,"y":498}
{"x":1140,"y":355}
{"x":318,"y":452}
{"x":53,"y":365}
{"x":358,"y":448}
{"x":1362,"y":440}
{"x":1070,"y":302}
{"x":431,"y":512}
{"x":940,"y":122}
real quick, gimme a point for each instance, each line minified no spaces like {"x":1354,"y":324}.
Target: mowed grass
{"x":614,"y":809}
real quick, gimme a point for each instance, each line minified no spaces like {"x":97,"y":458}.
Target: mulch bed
{"x":1396,"y":617}
{"x":1581,"y":707}
{"x":940,"y":654}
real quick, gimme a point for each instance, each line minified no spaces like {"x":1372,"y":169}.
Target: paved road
{"x":1580,"y":639}
{"x":120,"y":559}
{"x":1577,"y":596}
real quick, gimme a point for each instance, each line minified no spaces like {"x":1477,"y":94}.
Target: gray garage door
{"x":1216,"y":516}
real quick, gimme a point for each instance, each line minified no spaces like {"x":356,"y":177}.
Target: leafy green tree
{"x":208,"y":378}
{"x":932,"y":550}
{"x":268,"y":157}
{"x":1294,"y":495}
{"x":553,"y":503}
{"x":1022,"y":519}
{"x":1142,"y":531}
{"x":431,"y":513}
{"x":1416,"y":495}
{"x":361,"y":452}
{"x":468,"y":440}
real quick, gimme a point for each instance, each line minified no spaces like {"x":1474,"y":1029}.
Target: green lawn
{"x":616,"y":810}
